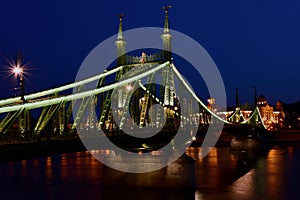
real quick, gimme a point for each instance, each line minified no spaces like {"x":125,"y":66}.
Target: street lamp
{"x":19,"y":74}
{"x":18,"y":71}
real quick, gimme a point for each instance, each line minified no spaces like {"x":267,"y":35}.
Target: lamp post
{"x":19,"y":73}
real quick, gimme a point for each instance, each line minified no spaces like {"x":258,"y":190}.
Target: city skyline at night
{"x":145,"y":99}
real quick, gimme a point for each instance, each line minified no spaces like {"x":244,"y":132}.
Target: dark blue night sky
{"x":253,"y":42}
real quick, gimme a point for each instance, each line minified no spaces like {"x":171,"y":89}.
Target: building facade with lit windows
{"x":269,"y":114}
{"x":272,"y":116}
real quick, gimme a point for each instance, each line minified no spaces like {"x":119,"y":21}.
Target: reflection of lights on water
{"x":109,"y":152}
{"x":24,"y":162}
{"x":198,"y":195}
{"x":198,"y":152}
{"x":35,"y":162}
{"x":275,"y":165}
{"x":156,"y":153}
{"x":64,"y":170}
{"x":64,"y":160}
{"x":245,"y":184}
{"x":101,"y":151}
{"x":290,"y":150}
{"x":48,"y":161}
{"x":49,"y":168}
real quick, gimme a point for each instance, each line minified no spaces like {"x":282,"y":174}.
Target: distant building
{"x":272,"y":117}
{"x":269,"y":115}
{"x":261,"y":101}
{"x":281,"y":117}
{"x":210,"y":103}
{"x":289,"y":114}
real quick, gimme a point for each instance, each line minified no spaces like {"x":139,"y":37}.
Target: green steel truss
{"x":146,"y":101}
{"x":9,"y":119}
{"x":45,"y":116}
{"x":56,"y":109}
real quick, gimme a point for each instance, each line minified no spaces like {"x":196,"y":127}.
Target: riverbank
{"x":25,"y":150}
{"x":285,"y":136}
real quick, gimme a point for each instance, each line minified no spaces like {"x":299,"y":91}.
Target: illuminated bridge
{"x":121,"y":98}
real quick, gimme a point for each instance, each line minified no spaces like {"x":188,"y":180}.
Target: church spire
{"x":121,"y":43}
{"x":166,"y":36}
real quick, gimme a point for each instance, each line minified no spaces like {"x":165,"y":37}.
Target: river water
{"x":223,"y":174}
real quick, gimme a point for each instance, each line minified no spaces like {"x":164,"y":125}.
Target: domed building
{"x":269,"y":115}
{"x":261,"y":101}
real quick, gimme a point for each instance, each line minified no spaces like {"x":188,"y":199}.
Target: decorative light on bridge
{"x":128,"y":87}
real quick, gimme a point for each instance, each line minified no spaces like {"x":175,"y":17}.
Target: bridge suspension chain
{"x":71,"y":97}
{"x":255,"y":118}
{"x":196,"y":97}
{"x":61,"y":88}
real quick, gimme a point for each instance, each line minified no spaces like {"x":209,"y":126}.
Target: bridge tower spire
{"x":121,"y":43}
{"x":237,"y":103}
{"x":166,"y":36}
